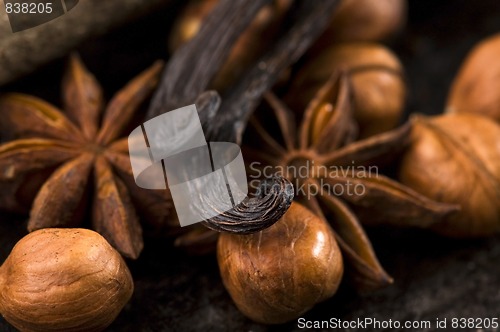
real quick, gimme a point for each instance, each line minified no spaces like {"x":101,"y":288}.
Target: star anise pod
{"x":55,"y":156}
{"x":325,"y":164}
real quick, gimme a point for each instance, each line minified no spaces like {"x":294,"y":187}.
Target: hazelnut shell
{"x":476,"y":87}
{"x":365,"y":20}
{"x":379,"y":90}
{"x":63,"y":280}
{"x":276,"y":275}
{"x":455,"y":158}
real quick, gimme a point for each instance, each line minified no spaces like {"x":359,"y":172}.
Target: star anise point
{"x":78,"y":145}
{"x":324,"y":146}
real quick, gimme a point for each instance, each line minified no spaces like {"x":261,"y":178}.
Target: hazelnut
{"x":276,"y":275}
{"x":365,"y":20}
{"x":475,"y":89}
{"x":376,"y":79}
{"x":63,"y":280}
{"x":455,"y":158}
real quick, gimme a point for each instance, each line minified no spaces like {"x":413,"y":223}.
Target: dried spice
{"x":69,"y":149}
{"x":455,"y":159}
{"x":320,"y":157}
{"x":191,"y":69}
{"x":249,"y":46}
{"x":253,"y":214}
{"x":24,"y":52}
{"x":276,"y":275}
{"x":376,"y":75}
{"x":258,"y":211}
{"x":63,"y":280}
{"x":475,"y":89}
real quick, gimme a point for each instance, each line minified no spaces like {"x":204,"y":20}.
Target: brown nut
{"x":63,"y":280}
{"x":376,"y":75}
{"x":476,"y":87}
{"x":455,"y":158}
{"x":365,"y":20}
{"x":276,"y":275}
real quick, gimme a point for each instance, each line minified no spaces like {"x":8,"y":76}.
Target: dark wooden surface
{"x":434,"y":277}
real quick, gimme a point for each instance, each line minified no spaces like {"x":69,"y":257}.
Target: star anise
{"x":326,"y":165}
{"x":59,"y":154}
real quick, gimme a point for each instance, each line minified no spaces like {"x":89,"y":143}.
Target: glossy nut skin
{"x":63,"y":280}
{"x":276,"y":275}
{"x":476,"y":87}
{"x":455,"y":158}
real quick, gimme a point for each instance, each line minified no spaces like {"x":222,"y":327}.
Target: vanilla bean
{"x":208,"y":104}
{"x":191,"y":68}
{"x":256,"y":213}
{"x":236,"y":108}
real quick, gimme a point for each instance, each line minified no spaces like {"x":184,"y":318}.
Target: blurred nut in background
{"x":455,"y":158}
{"x":276,"y":275}
{"x":251,"y":43}
{"x":188,"y":23}
{"x":376,"y":75}
{"x":365,"y":20}
{"x":476,"y":89}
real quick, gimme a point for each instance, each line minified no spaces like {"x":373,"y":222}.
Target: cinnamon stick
{"x":24,"y":51}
